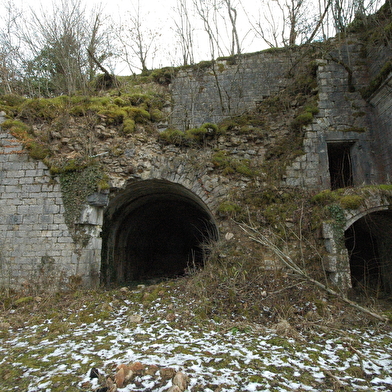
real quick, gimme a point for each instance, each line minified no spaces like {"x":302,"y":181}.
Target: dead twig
{"x":337,"y":383}
{"x":261,"y":239}
{"x":360,"y":355}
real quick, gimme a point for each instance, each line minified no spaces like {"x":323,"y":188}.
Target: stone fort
{"x":166,"y":207}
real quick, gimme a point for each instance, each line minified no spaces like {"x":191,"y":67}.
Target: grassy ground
{"x":51,"y":343}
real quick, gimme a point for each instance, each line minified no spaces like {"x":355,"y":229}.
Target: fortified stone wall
{"x":36,"y":245}
{"x":33,"y":233}
{"x":344,"y":117}
{"x":229,"y":87}
{"x":381,"y":101}
{"x":213,"y":93}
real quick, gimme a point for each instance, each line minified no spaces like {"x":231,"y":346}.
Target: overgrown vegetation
{"x":191,"y":137}
{"x":229,"y":165}
{"x":377,"y":81}
{"x":296,"y":336}
{"x":33,"y":121}
{"x":79,"y":180}
{"x":235,"y":279}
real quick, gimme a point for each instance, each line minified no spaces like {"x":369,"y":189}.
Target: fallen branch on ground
{"x":258,"y":237}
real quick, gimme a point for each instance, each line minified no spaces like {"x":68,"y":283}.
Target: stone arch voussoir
{"x":196,"y":179}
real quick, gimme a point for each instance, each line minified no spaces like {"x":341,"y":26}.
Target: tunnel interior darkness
{"x":369,"y":244}
{"x":154,"y":229}
{"x":340,"y":165}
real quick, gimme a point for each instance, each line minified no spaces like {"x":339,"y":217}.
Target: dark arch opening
{"x":154,"y":229}
{"x":369,"y":244}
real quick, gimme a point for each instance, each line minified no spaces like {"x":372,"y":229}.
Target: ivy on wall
{"x":337,"y":214}
{"x":76,"y":185}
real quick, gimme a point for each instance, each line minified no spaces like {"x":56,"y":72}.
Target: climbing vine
{"x":336,"y":212}
{"x":76,"y":185}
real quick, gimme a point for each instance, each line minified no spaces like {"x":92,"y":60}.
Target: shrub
{"x":11,"y":100}
{"x":79,"y":99}
{"x":196,"y":134}
{"x":375,"y":84}
{"x":103,"y":184}
{"x":228,"y":208}
{"x":37,"y":150}
{"x":219,"y":159}
{"x":173,"y":136}
{"x":302,"y":120}
{"x":312,"y":109}
{"x":100,"y":101}
{"x":138,"y":114}
{"x":231,"y":166}
{"x":211,"y":129}
{"x":129,"y":126}
{"x":119,"y":102}
{"x":78,"y":110}
{"x":114,"y":115}
{"x":156,"y":115}
{"x":325,"y":197}
{"x":243,"y":167}
{"x":37,"y":109}
{"x":351,"y":202}
{"x":164,"y":75}
{"x":17,"y":128}
{"x":385,"y":187}
{"x":138,"y":99}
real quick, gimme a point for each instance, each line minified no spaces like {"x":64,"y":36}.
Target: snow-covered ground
{"x":58,"y":355}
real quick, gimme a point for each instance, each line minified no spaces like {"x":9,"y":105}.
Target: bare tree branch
{"x":261,"y":239}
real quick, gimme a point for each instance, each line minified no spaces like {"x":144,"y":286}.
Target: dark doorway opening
{"x":154,"y":230}
{"x":369,"y":244}
{"x":340,"y":165}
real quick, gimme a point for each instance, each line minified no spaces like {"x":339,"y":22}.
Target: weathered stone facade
{"x":344,"y":117}
{"x":228,"y":87}
{"x":34,"y":236}
{"x":37,"y":246}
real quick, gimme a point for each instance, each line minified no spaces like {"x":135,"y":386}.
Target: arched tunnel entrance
{"x":154,"y":229}
{"x":369,"y":244}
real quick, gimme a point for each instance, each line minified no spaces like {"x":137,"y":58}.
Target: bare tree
{"x":265,"y":25}
{"x":100,"y":42}
{"x":232,"y":13}
{"x":184,"y":31}
{"x":59,"y":42}
{"x":291,"y":22}
{"x":296,"y":19}
{"x":220,"y":23}
{"x":323,"y":12}
{"x":138,"y":40}
{"x":344,"y":11}
{"x":10,"y":50}
{"x":282,"y":22}
{"x":208,"y":12}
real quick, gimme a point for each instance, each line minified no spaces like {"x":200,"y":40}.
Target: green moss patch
{"x":376,"y":83}
{"x":230,"y":165}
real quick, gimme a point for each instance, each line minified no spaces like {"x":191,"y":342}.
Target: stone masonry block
{"x":16,"y":158}
{"x":65,"y":240}
{"x":13,"y":189}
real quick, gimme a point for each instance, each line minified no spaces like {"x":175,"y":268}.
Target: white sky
{"x":159,"y":15}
